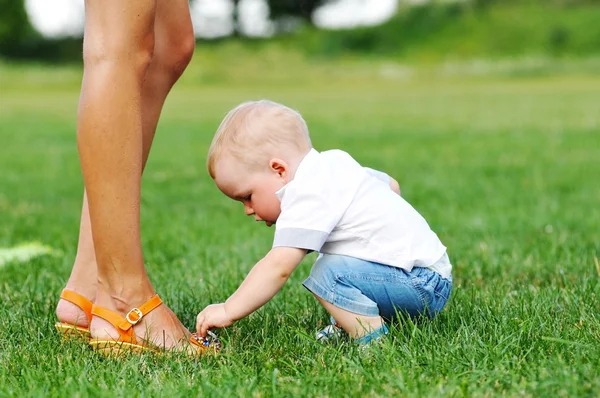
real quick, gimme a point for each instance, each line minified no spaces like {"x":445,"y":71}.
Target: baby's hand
{"x":212,"y":316}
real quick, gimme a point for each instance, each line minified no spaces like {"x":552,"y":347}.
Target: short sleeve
{"x":312,"y":206}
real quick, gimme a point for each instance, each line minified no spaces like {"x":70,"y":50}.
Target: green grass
{"x":505,"y":169}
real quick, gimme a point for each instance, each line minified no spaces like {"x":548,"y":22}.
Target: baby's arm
{"x":394,"y":186}
{"x":263,"y":282}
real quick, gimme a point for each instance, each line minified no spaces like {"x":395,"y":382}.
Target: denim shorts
{"x":370,"y":289}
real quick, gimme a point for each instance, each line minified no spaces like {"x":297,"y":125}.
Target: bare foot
{"x":70,"y":313}
{"x":159,"y":328}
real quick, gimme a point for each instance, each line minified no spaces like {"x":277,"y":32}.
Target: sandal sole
{"x":69,"y":331}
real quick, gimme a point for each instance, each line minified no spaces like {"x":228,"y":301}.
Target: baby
{"x":378,"y":256}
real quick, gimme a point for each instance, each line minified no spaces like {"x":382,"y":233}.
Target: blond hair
{"x":256,"y":129}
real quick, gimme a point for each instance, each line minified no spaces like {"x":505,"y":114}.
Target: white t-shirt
{"x":335,"y":206}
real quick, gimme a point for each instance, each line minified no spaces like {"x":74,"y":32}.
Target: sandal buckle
{"x":138,"y":313}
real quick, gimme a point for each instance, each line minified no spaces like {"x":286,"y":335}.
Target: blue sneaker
{"x":375,"y":335}
{"x":329,"y":333}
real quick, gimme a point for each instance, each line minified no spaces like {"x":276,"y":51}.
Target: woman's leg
{"x":173,"y":49}
{"x":84,"y":275}
{"x":118,"y":46}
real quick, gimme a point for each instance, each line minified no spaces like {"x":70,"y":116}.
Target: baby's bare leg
{"x":354,"y":324}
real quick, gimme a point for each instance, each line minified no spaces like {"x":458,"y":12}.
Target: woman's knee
{"x":119,"y":37}
{"x":118,"y":54}
{"x":174,"y":51}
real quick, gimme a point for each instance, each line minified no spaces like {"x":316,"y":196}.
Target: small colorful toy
{"x":210,"y":342}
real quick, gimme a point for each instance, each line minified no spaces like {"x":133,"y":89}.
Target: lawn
{"x":506,"y":170}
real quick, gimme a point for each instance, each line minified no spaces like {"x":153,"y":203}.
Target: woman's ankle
{"x":121,"y":299}
{"x":87,"y":291}
{"x":83,"y":280}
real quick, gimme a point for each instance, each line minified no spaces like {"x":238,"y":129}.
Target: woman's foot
{"x":83,"y":281}
{"x":70,"y":313}
{"x":159,"y":328}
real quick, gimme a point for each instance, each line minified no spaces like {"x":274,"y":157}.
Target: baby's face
{"x":255,"y":189}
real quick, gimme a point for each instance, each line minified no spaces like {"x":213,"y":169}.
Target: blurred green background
{"x":486,"y":112}
{"x":413,"y":29}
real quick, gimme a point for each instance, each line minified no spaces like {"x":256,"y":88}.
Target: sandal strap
{"x":135,"y":315}
{"x":80,"y":301}
{"x":124,"y":325}
{"x":110,"y":316}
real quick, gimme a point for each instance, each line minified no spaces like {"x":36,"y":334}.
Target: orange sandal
{"x":127,"y":342}
{"x":70,"y":330}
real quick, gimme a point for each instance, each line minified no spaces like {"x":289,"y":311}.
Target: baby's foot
{"x":375,"y":336}
{"x":330,"y":333}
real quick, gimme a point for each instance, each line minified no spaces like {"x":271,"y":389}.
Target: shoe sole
{"x":111,"y":348}
{"x":69,"y":331}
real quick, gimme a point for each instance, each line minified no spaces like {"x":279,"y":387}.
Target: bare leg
{"x":118,"y":47}
{"x":84,"y":276}
{"x":354,"y":324}
{"x":173,"y":49}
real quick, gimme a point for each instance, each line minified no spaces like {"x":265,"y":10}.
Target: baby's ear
{"x":279,"y":166}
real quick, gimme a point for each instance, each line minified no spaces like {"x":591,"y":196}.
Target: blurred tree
{"x":15,"y":30}
{"x":236,"y":17}
{"x":294,"y":8}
